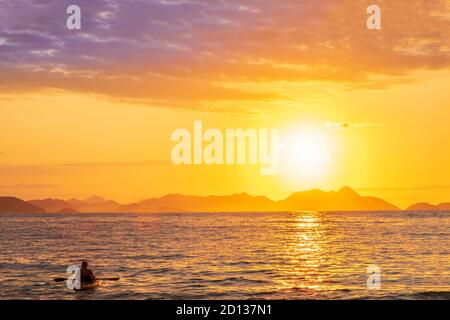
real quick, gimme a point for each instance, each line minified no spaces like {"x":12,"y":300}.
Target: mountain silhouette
{"x":16,"y":205}
{"x":92,"y":204}
{"x":178,"y":202}
{"x":68,"y":210}
{"x":95,"y":200}
{"x":425,"y":206}
{"x":50,"y":205}
{"x":345,"y":199}
{"x":444,"y":206}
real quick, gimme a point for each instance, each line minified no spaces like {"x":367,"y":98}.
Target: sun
{"x":306,"y":155}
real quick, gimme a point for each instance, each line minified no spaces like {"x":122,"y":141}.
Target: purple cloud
{"x":177,"y":52}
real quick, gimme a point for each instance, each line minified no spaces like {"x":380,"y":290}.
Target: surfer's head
{"x":84,"y":264}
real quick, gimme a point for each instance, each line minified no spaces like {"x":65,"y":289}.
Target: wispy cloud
{"x":45,"y":168}
{"x":114,"y":164}
{"x":404,"y":188}
{"x":28,"y":186}
{"x":350,"y":125}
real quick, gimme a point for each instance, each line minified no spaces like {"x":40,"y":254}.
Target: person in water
{"x":86,"y":274}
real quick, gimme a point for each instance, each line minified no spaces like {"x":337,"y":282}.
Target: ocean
{"x":304,"y":255}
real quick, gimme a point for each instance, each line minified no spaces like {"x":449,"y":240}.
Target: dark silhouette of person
{"x":86,"y":274}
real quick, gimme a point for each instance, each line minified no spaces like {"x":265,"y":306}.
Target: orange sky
{"x":95,"y":114}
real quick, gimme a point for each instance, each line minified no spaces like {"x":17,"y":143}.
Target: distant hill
{"x":424,"y":206}
{"x":50,"y":205}
{"x":95,"y":200}
{"x":345,"y":199}
{"x":93,"y":204}
{"x":15,"y":205}
{"x":444,"y":206}
{"x":182,"y":203}
{"x":68,"y":210}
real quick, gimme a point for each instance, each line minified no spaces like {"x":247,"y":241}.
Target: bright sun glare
{"x":305,"y":155}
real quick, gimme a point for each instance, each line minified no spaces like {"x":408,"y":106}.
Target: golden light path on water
{"x":305,"y":252}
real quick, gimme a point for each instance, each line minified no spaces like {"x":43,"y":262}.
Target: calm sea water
{"x":228,"y":255}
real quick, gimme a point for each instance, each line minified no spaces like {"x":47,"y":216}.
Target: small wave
{"x":150,"y":271}
{"x":426,"y":295}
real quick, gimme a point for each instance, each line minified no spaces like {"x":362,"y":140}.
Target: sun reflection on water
{"x":304,"y":253}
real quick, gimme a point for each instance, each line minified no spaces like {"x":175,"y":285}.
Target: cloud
{"x":178,"y":53}
{"x":28,"y":186}
{"x":115,"y":164}
{"x":350,"y":125}
{"x":47,"y":168}
{"x":404,"y":188}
